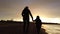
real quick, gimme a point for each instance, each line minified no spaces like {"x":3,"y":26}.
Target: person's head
{"x":38,"y":17}
{"x":26,"y":7}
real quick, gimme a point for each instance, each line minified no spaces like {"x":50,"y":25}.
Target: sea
{"x":51,"y":28}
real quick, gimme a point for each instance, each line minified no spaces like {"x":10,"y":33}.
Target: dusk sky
{"x":48,"y":10}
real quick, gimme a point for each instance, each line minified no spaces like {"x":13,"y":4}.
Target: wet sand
{"x":17,"y":28}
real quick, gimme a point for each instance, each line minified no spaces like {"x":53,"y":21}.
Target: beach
{"x":17,"y":28}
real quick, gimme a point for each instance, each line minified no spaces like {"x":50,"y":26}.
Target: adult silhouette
{"x":38,"y":24}
{"x":25,"y":14}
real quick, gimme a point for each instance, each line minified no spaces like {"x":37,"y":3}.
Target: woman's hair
{"x":26,"y":7}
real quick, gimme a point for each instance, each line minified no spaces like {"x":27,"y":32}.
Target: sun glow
{"x":51,"y":20}
{"x":43,"y":19}
{"x":17,"y":19}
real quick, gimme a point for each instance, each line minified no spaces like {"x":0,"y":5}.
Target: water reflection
{"x":51,"y":28}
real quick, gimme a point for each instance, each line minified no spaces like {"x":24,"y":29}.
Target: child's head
{"x":38,"y":17}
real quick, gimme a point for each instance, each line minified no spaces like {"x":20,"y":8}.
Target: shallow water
{"x":51,"y":29}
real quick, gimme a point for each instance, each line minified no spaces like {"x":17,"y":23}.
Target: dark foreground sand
{"x":17,"y":28}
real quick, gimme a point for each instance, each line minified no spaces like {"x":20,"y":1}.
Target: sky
{"x":48,"y":10}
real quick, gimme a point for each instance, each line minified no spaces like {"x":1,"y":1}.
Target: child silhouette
{"x":38,"y":24}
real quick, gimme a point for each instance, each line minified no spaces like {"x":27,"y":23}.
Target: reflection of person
{"x":25,"y":13}
{"x":38,"y":24}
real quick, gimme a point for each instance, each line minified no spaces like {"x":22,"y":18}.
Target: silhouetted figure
{"x":25,"y":13}
{"x":38,"y":24}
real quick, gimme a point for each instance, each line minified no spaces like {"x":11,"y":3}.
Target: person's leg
{"x":24,"y":25}
{"x":38,"y":29}
{"x":27,"y":26}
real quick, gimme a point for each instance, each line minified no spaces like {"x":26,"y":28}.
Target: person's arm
{"x":22,"y":13}
{"x":35,"y":21}
{"x":40,"y":22}
{"x":31,"y":15}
